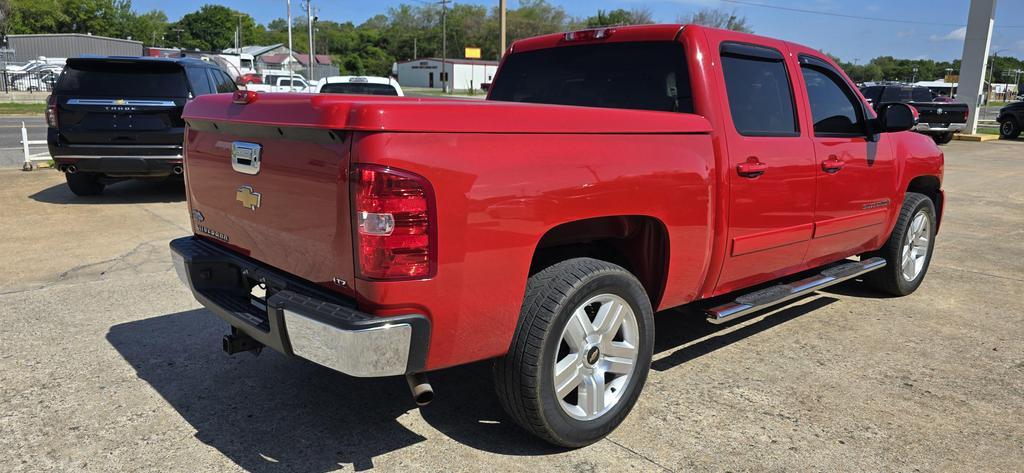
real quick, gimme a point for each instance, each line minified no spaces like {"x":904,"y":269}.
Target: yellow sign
{"x":472,"y":53}
{"x":950,"y":78}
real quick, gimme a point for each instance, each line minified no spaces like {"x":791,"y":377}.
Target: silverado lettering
{"x":611,"y":173}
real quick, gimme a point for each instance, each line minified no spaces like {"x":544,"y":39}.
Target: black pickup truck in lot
{"x":940,"y":120}
{"x":113,"y":118}
{"x":1011,"y":118}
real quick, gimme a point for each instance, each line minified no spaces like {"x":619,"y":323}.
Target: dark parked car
{"x":939,"y":119}
{"x":114,"y":118}
{"x":1010,"y":119}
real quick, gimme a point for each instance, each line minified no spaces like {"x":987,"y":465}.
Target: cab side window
{"x":759,"y":91}
{"x":835,"y":109}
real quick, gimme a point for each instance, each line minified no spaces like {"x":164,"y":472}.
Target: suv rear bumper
{"x":297,"y":318}
{"x":123,"y":166}
{"x":940,"y":127}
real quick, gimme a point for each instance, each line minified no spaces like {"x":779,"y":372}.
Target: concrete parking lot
{"x":108,"y":364}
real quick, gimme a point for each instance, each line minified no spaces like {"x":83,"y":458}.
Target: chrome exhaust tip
{"x":422,"y":391}
{"x":71,"y":169}
{"x":177,"y":170}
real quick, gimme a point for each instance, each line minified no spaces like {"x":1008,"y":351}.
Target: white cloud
{"x":956,"y":35}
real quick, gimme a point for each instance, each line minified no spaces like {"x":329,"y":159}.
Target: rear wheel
{"x":1009,"y":129}
{"x":908,"y":251}
{"x":84,"y":183}
{"x":581,"y":352}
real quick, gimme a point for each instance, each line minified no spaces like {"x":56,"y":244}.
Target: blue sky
{"x":936,"y":35}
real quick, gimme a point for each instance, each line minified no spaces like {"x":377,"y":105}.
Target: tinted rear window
{"x":634,"y":75}
{"x":123,"y":80}
{"x":358,"y":88}
{"x":896,"y":94}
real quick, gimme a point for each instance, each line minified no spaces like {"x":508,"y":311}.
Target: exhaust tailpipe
{"x":177,"y":170}
{"x":422,"y":392}
{"x":71,"y":169}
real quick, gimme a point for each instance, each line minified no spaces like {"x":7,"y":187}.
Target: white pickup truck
{"x":282,"y":83}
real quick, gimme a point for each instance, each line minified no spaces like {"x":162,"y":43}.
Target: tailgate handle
{"x":245,"y":157}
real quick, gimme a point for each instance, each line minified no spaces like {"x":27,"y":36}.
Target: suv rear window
{"x":358,"y":88}
{"x":123,"y":79}
{"x":633,"y":75}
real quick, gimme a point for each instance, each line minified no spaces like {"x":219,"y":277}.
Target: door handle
{"x":832,"y":165}
{"x":752,"y":168}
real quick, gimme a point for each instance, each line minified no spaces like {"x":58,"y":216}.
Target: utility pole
{"x":445,"y":80}
{"x":501,"y":18}
{"x":415,"y":53}
{"x":291,"y":73}
{"x":991,"y":72}
{"x":312,"y":54}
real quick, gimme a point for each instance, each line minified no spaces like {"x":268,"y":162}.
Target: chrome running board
{"x":769,"y":296}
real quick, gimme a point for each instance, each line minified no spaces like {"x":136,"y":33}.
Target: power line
{"x":855,"y":17}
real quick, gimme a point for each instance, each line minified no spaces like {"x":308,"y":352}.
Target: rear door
{"x":771,"y":165}
{"x":855,"y":172}
{"x":121,"y":103}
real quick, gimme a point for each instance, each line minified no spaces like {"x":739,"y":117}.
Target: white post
{"x":24,"y":145}
{"x":975,"y":57}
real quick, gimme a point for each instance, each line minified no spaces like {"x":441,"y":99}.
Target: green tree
{"x":636,"y":16}
{"x":716,"y":18}
{"x":212,"y":28}
{"x":150,"y":27}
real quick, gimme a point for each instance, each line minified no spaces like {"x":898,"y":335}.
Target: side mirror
{"x":895,"y":117}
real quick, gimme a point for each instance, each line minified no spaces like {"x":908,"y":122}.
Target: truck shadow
{"x":124,"y":192}
{"x":274,"y":413}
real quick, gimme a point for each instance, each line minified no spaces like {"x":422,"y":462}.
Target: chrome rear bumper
{"x":296,"y":318}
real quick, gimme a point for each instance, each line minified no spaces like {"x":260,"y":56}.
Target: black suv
{"x":113,"y":118}
{"x":1011,"y":118}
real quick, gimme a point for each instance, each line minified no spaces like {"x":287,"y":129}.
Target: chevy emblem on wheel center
{"x":249,"y":198}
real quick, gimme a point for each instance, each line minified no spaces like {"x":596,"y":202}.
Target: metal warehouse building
{"x":28,"y":47}
{"x":465,"y":73}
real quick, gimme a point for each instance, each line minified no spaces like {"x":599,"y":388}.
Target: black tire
{"x":943,"y":138}
{"x":524,"y":378}
{"x":1009,"y":129}
{"x":890,"y":279}
{"x":84,"y":183}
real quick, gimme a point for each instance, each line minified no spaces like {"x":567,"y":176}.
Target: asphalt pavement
{"x":11,"y":153}
{"x":109,"y":364}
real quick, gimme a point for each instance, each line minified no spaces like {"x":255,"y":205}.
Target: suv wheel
{"x":84,"y":183}
{"x":1009,"y":129}
{"x":908,"y":251}
{"x":580,"y":354}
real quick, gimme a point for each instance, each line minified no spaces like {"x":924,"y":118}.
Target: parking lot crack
{"x":634,"y":452}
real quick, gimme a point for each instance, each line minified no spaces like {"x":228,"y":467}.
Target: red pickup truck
{"x":611,"y":173}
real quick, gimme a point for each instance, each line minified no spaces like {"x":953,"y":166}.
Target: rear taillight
{"x":51,"y":112}
{"x":394,"y":221}
{"x":965,"y":114}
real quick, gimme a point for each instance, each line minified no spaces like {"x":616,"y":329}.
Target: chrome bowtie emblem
{"x":248,"y":197}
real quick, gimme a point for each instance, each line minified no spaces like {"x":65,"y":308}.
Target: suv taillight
{"x":51,"y":112}
{"x":394,"y":224}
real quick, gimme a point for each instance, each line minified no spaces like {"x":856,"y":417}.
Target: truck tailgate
{"x":292,"y":214}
